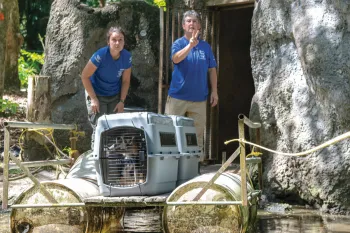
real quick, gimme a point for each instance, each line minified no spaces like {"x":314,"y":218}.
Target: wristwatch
{"x":122,"y":101}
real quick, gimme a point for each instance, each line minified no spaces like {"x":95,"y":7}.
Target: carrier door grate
{"x":123,"y":156}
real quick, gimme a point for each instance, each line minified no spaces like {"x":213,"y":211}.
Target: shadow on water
{"x":298,"y":220}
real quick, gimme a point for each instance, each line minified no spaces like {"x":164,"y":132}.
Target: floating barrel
{"x":84,"y":167}
{"x":63,"y":219}
{"x":210,"y":218}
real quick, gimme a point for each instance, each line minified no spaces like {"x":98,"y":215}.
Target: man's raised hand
{"x":194,"y":39}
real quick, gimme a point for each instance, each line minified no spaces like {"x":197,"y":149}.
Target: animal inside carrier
{"x":136,"y":154}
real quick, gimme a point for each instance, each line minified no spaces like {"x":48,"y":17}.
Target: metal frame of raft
{"x":132,"y":201}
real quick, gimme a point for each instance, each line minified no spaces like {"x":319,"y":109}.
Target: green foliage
{"x":7,"y":107}
{"x":67,"y":150}
{"x":29,"y":64}
{"x":93,"y":3}
{"x":34,"y":16}
{"x":15,"y":171}
{"x":159,"y":3}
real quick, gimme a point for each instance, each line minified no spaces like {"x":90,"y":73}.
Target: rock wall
{"x":301,"y":68}
{"x":74,"y":33}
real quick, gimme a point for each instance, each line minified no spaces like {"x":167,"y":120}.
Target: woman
{"x":106,"y":77}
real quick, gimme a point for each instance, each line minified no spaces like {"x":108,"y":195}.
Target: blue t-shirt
{"x":190,"y":76}
{"x":107,"y":79}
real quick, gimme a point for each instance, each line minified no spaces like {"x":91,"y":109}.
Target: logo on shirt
{"x":120,"y":72}
{"x":201,"y":55}
{"x":130,"y":60}
{"x":98,"y":58}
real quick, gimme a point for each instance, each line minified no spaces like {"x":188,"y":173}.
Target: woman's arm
{"x":88,"y":71}
{"x":124,"y":90}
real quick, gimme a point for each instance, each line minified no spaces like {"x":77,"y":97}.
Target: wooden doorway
{"x":236,"y":87}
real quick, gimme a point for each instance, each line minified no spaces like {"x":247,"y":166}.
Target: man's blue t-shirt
{"x":189,"y":80}
{"x":107,"y":79}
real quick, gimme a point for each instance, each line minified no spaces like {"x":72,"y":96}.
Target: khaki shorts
{"x":191,"y":109}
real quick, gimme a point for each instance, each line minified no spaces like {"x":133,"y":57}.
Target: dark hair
{"x":192,"y":13}
{"x":118,"y":30}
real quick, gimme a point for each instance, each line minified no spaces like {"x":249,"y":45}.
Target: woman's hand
{"x":119,"y":108}
{"x":95,"y":105}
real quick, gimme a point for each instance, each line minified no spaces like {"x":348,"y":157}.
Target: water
{"x":298,"y":220}
{"x":301,"y":220}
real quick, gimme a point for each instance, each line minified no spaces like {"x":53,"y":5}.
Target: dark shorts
{"x":107,"y":105}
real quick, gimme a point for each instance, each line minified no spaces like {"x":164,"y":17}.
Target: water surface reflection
{"x":301,"y":220}
{"x":296,"y":221}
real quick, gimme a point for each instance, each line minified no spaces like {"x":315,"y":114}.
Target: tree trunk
{"x":38,"y":110}
{"x":9,"y":45}
{"x":13,"y":45}
{"x":39,"y":99}
{"x":3,"y":26}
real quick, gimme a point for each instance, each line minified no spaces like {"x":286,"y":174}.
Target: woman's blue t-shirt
{"x":190,"y":76}
{"x":107,"y":78}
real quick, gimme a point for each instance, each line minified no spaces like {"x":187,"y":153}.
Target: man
{"x":193,"y":59}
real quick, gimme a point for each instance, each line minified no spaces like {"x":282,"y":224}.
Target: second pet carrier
{"x":188,"y":147}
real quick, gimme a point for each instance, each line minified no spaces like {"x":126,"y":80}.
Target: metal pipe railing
{"x":181,"y":203}
{"x":248,"y":122}
{"x":33,"y":125}
{"x":242,"y":121}
{"x":251,"y":196}
{"x":253,"y":160}
{"x":243,"y":163}
{"x":41,"y":163}
{"x":5,"y":187}
{"x":6,"y":166}
{"x":217,"y":174}
{"x":22,"y":206}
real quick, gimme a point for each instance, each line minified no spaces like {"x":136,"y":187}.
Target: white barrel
{"x":209,"y":218}
{"x":63,"y":219}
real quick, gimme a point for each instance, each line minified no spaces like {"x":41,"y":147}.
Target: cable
{"x":107,"y":122}
{"x":326,"y":144}
{"x":139,"y":184}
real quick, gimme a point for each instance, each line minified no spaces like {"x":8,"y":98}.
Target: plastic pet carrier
{"x":137,"y":154}
{"x":188,"y":147}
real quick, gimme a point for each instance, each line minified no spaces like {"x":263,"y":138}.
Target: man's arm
{"x":214,"y":87}
{"x":182,"y":54}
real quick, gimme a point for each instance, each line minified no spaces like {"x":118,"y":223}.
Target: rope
{"x":326,"y":144}
{"x":46,"y":136}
